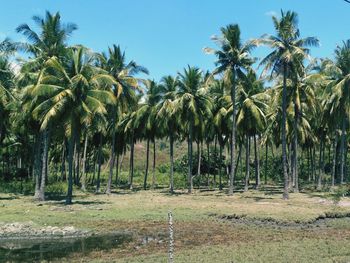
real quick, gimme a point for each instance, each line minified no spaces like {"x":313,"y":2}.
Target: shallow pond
{"x":36,"y":250}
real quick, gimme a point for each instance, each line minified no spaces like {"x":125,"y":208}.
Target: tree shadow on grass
{"x":8,"y":198}
{"x":258,"y":198}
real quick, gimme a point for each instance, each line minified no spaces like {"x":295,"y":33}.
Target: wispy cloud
{"x":271,"y":13}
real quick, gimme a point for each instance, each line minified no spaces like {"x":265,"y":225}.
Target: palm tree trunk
{"x":98,"y":184}
{"x":117,"y":170}
{"x":220,"y":168}
{"x":147,"y":163}
{"x":342,"y":151}
{"x":154,"y":165}
{"x":284,"y":139}
{"x":295,"y":148}
{"x":111,"y":165}
{"x":334,"y":157}
{"x":83,"y":180}
{"x":77,"y":164}
{"x":233,"y":134}
{"x":63,"y":161}
{"x":70,"y":164}
{"x":320,"y":170}
{"x":257,"y":163}
{"x":308,"y":149}
{"x":131,"y":172}
{"x":313,"y":161}
{"x":37,"y":165}
{"x":290,"y":165}
{"x":295,"y":164}
{"x":266,"y":152}
{"x":238,"y":158}
{"x":215,"y":153}
{"x":247,"y":166}
{"x":208,"y":153}
{"x":44,"y":173}
{"x":199,"y":157}
{"x":189,"y":179}
{"x":171,"y":163}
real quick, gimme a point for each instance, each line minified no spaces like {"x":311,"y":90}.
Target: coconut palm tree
{"x":287,"y":56}
{"x":73,"y":94}
{"x":168,"y":121}
{"x":251,"y":120}
{"x":194,"y":106}
{"x":123,"y":72}
{"x":339,"y":100}
{"x":233,"y":56}
{"x":146,"y":119}
{"x":49,"y":42}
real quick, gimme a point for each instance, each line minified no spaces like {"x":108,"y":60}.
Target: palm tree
{"x":194,"y":105}
{"x":287,"y":56}
{"x":168,"y":120}
{"x":233,"y":56}
{"x":73,"y":95}
{"x":48,"y":43}
{"x":219,"y":91}
{"x":114,"y":62}
{"x":338,"y":104}
{"x":146,"y":118}
{"x":251,"y":120}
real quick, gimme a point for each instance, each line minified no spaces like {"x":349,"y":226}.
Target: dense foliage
{"x":69,"y":105}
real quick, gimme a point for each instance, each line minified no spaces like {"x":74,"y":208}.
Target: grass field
{"x":271,"y":230}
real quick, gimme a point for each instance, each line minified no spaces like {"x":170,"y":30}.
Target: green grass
{"x":200,"y":236}
{"x":301,"y":251}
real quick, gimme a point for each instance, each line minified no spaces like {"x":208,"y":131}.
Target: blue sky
{"x":166,"y":35}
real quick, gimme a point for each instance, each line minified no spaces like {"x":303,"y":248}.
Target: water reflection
{"x":25,"y":250}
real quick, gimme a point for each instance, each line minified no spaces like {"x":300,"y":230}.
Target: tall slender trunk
{"x":117,"y":170}
{"x":121,"y":163}
{"x":63,"y":160}
{"x":189,"y":178}
{"x":295,"y":149}
{"x":199,"y":158}
{"x":290,"y":166}
{"x":247,"y":166}
{"x":77,"y":163}
{"x":220,"y":168}
{"x":238,"y":157}
{"x":147,"y":163}
{"x":342,"y":150}
{"x":44,"y":173}
{"x":284,"y":139}
{"x":70,"y":163}
{"x":233,"y":134}
{"x":95,"y":158}
{"x":266,"y":152}
{"x":171,"y":163}
{"x":111,"y":165}
{"x":208,"y":173}
{"x":154,"y":165}
{"x":257,"y":163}
{"x":83,"y":180}
{"x":313,"y":161}
{"x":131,"y":172}
{"x":320,"y":170}
{"x":215,"y":154}
{"x":308,"y":163}
{"x":37,"y":165}
{"x":98,"y":184}
{"x":334,"y":157}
